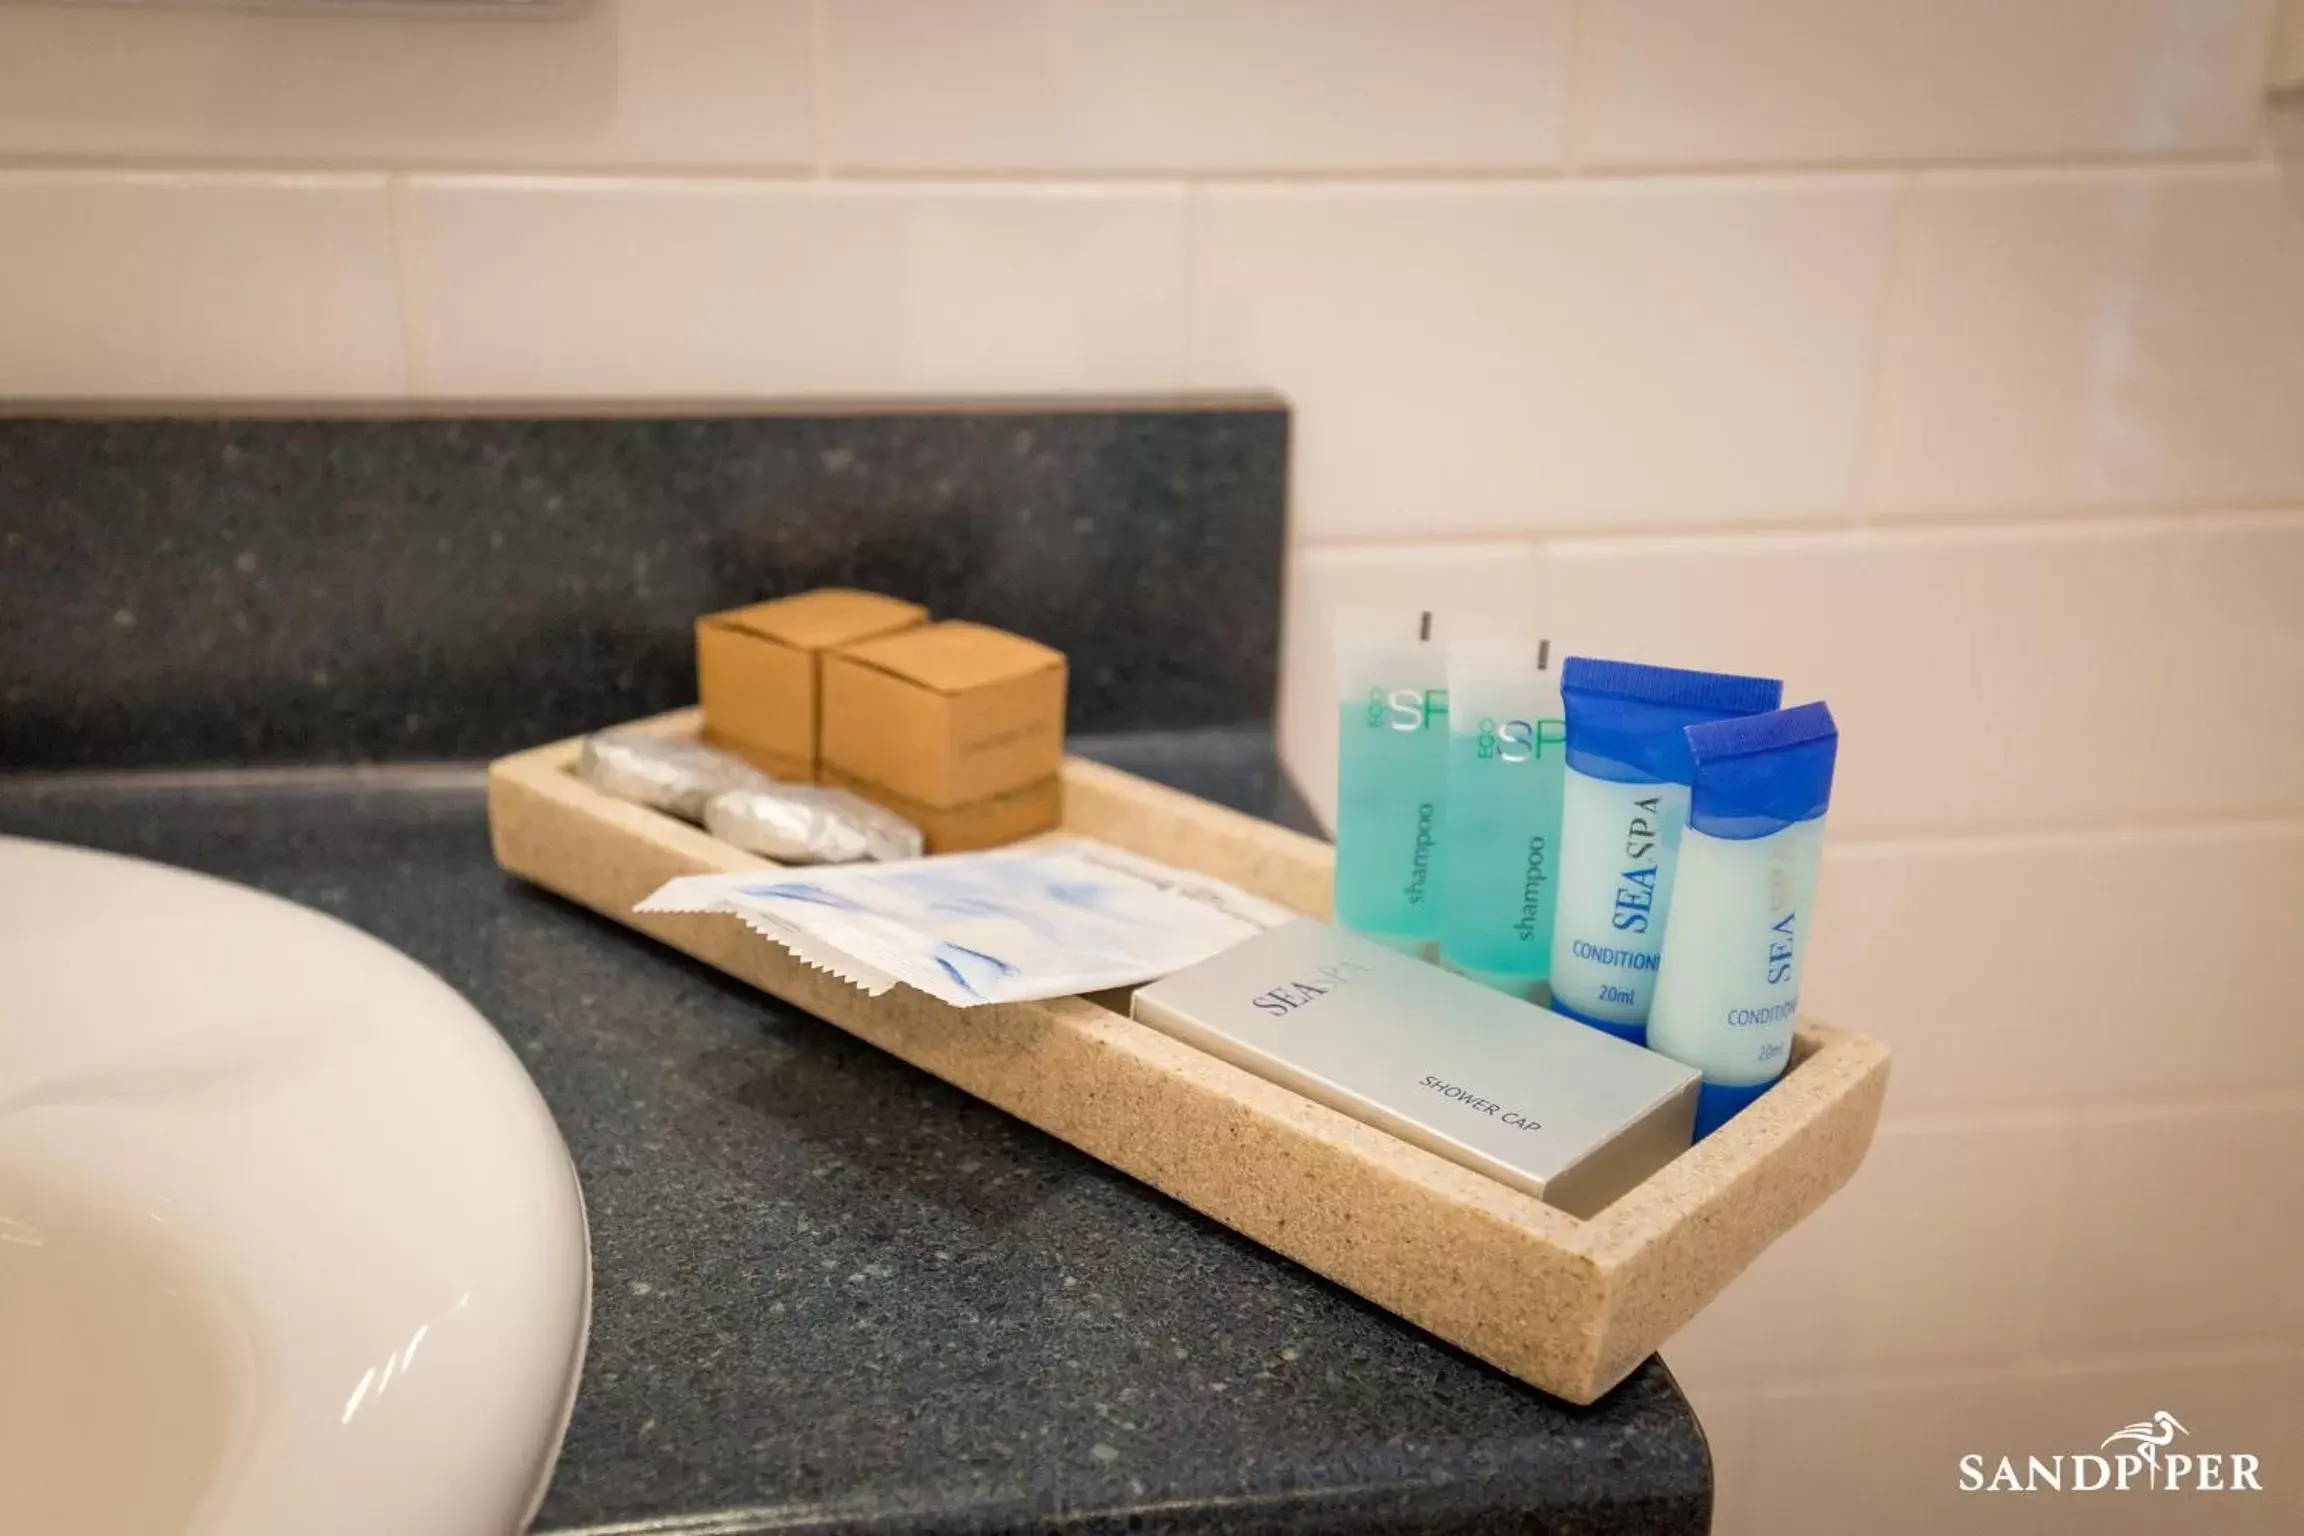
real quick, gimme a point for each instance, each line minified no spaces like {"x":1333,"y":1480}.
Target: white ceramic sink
{"x":288,"y":1241}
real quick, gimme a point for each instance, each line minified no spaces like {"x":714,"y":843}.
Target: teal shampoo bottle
{"x":1391,"y":777}
{"x":1507,"y":752}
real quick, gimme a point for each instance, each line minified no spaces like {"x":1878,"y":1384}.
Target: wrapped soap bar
{"x":669,"y":773}
{"x":809,"y":824}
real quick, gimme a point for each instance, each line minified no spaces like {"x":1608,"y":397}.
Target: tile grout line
{"x":1581,"y":173}
{"x":2028,"y":1368}
{"x":1947,"y":837}
{"x":1374,"y":178}
{"x":1862,"y":499}
{"x":66,"y":167}
{"x":1838,"y":529}
{"x":1955,"y":1117}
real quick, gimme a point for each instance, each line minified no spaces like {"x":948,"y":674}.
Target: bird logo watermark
{"x":2149,"y":1462}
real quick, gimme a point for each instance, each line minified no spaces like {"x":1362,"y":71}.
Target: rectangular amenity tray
{"x":1571,"y":1306}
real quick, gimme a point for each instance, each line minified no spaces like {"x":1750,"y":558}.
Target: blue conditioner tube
{"x":1624,"y":802}
{"x":1729,"y":987}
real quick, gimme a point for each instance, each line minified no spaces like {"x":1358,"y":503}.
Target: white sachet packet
{"x":1005,"y":926}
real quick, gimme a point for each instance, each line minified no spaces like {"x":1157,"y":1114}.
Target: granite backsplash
{"x":253,"y":589}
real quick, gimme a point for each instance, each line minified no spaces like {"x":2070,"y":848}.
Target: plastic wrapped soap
{"x":810,"y":824}
{"x":667,"y":772}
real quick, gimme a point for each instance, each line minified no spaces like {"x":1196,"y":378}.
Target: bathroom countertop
{"x":832,"y":1293}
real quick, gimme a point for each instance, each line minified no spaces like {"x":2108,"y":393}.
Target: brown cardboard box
{"x":992,"y":823}
{"x":758,"y":669}
{"x":945,"y":714}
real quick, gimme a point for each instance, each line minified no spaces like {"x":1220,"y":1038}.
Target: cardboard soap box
{"x":946,"y":714}
{"x":991,"y":823}
{"x":758,"y":669}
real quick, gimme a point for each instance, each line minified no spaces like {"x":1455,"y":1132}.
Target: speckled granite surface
{"x":835,"y":1294}
{"x":236,"y":591}
{"x":832,"y":1293}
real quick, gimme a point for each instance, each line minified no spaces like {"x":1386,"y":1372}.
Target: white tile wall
{"x":2019,"y":1223}
{"x":1884,"y":1457}
{"x":2244,"y":1400}
{"x":2040,"y":674}
{"x":1722,"y":82}
{"x":2179,"y":1226}
{"x":2095,"y":339}
{"x":2011,"y":971}
{"x":1947,"y":360}
{"x":1084,"y":86}
{"x":730,"y":287}
{"x":155,"y":284}
{"x":635,"y":83}
{"x":2287,"y":71}
{"x":1731,"y":1421}
{"x":1481,"y":359}
{"x":1835,"y":1296}
{"x":2287,"y":127}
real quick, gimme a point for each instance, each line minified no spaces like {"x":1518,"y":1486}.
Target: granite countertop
{"x":832,"y":1293}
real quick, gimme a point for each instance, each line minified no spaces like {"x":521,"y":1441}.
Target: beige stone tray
{"x":1571,"y":1306}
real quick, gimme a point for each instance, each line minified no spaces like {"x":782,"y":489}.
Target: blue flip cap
{"x":1628,"y":723}
{"x":1761,"y":773}
{"x":1719,"y":1103}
